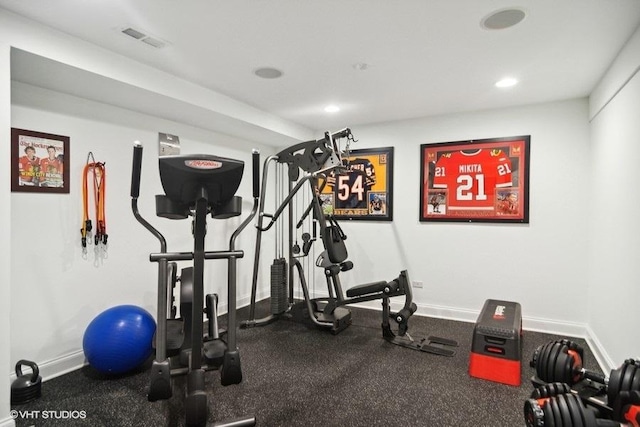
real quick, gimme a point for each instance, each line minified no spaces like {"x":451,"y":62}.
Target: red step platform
{"x":496,"y":351}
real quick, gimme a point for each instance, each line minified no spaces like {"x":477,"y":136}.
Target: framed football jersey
{"x":364,"y":187}
{"x":484,"y":180}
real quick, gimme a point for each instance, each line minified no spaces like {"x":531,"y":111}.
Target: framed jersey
{"x":39,"y":162}
{"x":364,"y":190}
{"x":485,"y":180}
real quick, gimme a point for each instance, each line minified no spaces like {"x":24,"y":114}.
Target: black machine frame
{"x":316,"y":159}
{"x":196,"y":199}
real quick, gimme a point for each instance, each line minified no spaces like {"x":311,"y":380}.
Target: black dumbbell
{"x":555,"y":405}
{"x":558,"y":408}
{"x":561,"y":361}
{"x":626,"y":408}
{"x":624,"y":379}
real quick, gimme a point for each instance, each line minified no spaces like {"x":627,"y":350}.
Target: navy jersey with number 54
{"x":351,"y":188}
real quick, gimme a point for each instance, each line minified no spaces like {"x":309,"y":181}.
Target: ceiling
{"x":378,"y":60}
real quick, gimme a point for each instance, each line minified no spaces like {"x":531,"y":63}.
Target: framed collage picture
{"x":39,"y":162}
{"x":365,"y":190}
{"x":485,"y":180}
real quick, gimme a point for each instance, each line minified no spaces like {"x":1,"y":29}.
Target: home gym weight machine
{"x":195,"y":186}
{"x":316,"y":159}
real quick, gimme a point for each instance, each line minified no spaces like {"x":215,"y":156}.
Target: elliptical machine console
{"x":195,"y":186}
{"x":186,"y":178}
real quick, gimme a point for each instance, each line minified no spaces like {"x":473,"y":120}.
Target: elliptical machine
{"x":195,"y":186}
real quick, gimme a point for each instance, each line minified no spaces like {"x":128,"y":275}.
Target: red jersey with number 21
{"x":472,"y":178}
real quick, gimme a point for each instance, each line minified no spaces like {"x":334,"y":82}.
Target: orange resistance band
{"x":99,"y":192}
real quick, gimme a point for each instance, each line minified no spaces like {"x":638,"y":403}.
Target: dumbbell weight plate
{"x":565,"y":412}
{"x":615,"y":383}
{"x":635,"y":384}
{"x":559,"y":361}
{"x":550,"y":390}
{"x":550,"y":367}
{"x":562,"y":388}
{"x":533,"y":413}
{"x":542,"y":361}
{"x":563,"y":366}
{"x":557,"y":412}
{"x":627,"y":378}
{"x":549,"y":415}
{"x":576,"y":408}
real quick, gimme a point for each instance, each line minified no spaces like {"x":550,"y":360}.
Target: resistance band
{"x":98,"y":172}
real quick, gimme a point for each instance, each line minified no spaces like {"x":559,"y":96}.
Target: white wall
{"x":61,"y":291}
{"x":5,"y":226}
{"x":541,"y":265}
{"x":460,"y":264}
{"x":614,"y":267}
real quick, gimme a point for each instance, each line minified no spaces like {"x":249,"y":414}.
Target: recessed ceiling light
{"x":268,"y":73}
{"x":331,"y":109}
{"x":501,"y":19}
{"x":507,"y":82}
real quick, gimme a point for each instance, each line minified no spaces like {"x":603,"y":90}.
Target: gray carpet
{"x":297,"y":375}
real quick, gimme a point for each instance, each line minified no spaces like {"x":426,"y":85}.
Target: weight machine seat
{"x":367,"y":288}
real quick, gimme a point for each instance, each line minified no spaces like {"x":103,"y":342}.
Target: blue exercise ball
{"x":119,"y":339}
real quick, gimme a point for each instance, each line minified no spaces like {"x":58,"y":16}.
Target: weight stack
{"x":496,"y":349}
{"x":279,"y":275}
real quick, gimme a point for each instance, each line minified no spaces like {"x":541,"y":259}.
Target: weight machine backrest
{"x":333,"y":240}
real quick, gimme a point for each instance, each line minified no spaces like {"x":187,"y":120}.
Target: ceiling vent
{"x":145,"y":38}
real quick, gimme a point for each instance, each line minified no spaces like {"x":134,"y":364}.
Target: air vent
{"x":144,"y":38}
{"x":134,"y":33}
{"x":153,"y":42}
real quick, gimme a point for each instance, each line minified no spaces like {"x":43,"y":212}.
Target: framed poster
{"x":485,"y":180}
{"x":39,"y":162}
{"x":365,"y":190}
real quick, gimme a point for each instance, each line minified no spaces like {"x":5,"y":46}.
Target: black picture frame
{"x":39,"y":162}
{"x":365,"y":191}
{"x":483,"y":180}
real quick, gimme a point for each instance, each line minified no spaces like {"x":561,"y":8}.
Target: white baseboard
{"x":604,"y":360}
{"x":73,"y":361}
{"x":76,"y":360}
{"x":56,"y":367}
{"x":534,"y":324}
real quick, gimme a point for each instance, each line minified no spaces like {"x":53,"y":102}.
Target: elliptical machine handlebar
{"x":255,"y":156}
{"x":136,"y":170}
